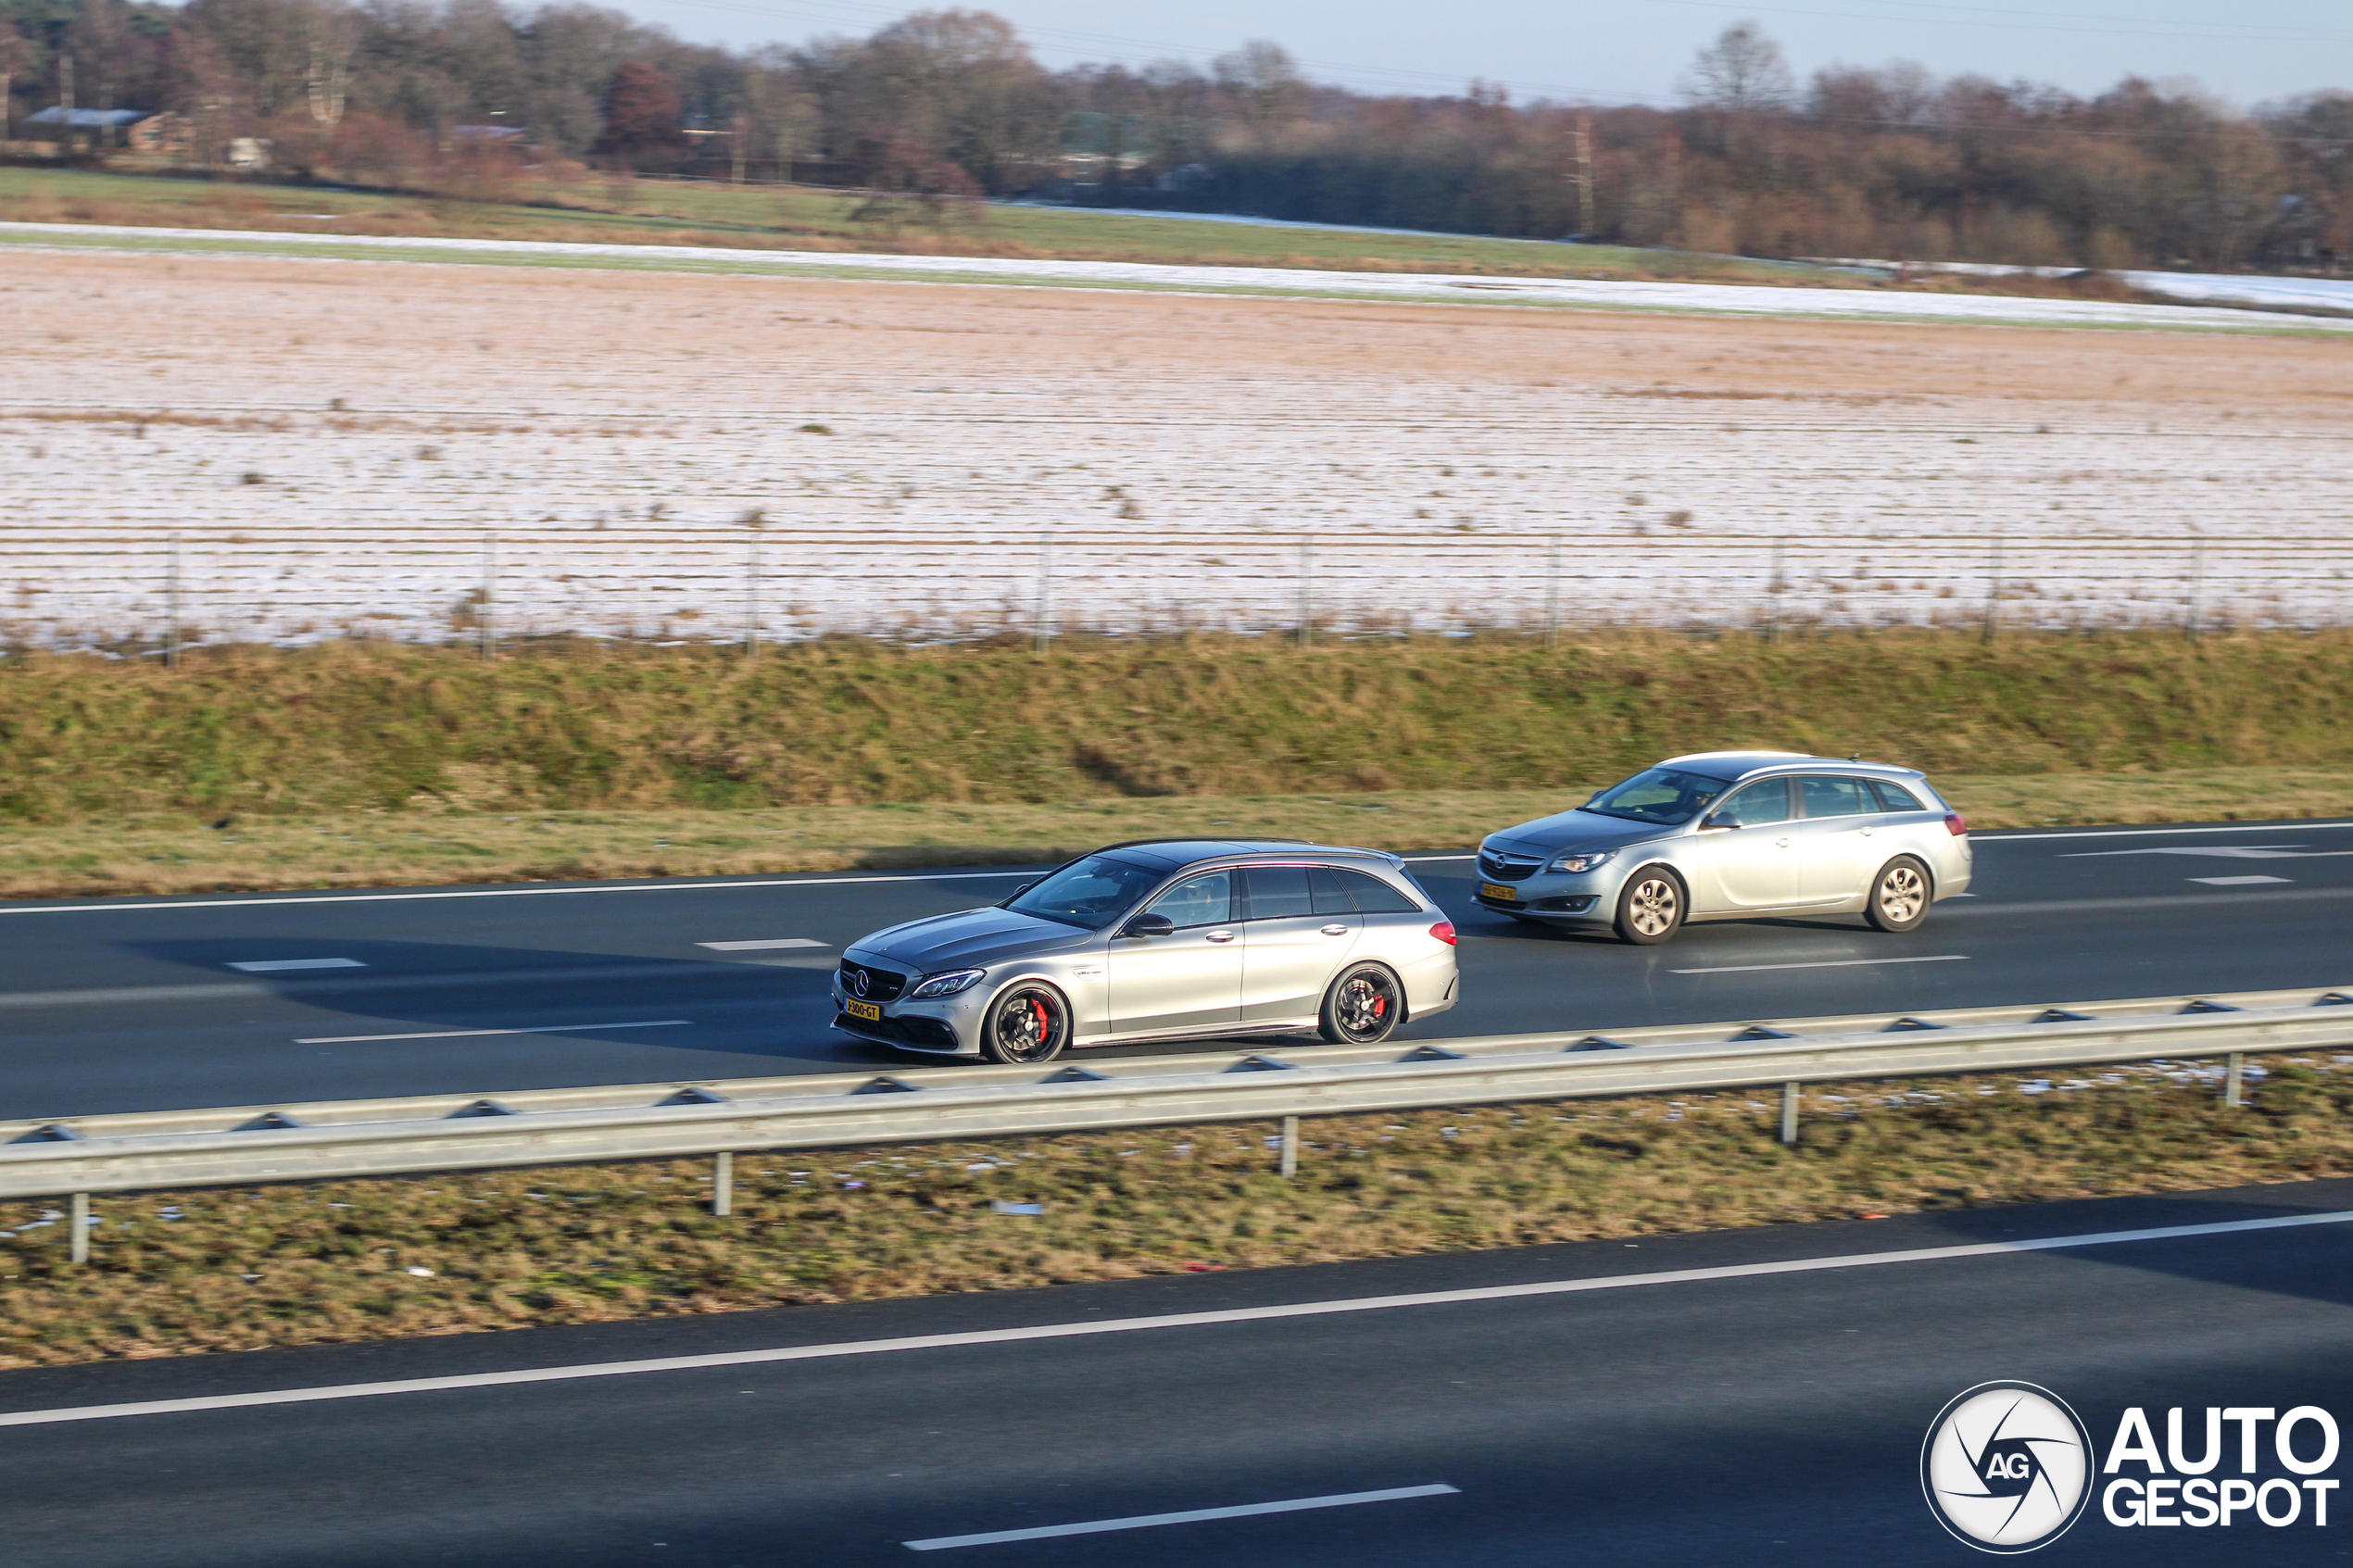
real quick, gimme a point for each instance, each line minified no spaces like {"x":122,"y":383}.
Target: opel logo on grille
{"x":859,"y":980}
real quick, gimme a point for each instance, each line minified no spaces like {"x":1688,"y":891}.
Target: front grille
{"x":1501,"y":867}
{"x":918,"y":1034}
{"x":879,"y":985}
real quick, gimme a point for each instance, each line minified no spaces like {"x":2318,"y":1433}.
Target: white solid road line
{"x":2147,"y":833}
{"x":467,"y":1033}
{"x":1171,"y":1320}
{"x":1145,"y":1521}
{"x":1824,"y":964}
{"x":502,"y":893}
{"x":2236,"y":881}
{"x":269,"y":966}
{"x":762,"y":944}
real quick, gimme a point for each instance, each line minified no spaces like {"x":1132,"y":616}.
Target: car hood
{"x":969,"y":937}
{"x":1576,"y":830}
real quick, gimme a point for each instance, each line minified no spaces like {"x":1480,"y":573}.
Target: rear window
{"x":1895,"y":798}
{"x":1374,"y":897}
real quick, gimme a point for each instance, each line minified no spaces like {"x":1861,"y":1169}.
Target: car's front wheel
{"x":1899,"y":895}
{"x":1362,"y":1007}
{"x":1029,"y":1024}
{"x":1650,"y":910}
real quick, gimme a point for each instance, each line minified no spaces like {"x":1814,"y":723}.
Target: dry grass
{"x":414,"y":848}
{"x":235,"y":1269}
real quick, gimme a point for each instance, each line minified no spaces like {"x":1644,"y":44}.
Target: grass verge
{"x":173,"y":1274}
{"x":253,"y":854}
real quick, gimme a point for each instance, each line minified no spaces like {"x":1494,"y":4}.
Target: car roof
{"x":1169,"y":854}
{"x":1732,"y":766}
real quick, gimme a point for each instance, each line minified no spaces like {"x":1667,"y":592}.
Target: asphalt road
{"x":135,"y":1005}
{"x":1762,"y":1418}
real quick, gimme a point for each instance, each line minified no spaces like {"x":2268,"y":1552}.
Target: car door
{"x":1842,"y":820}
{"x":1755,"y":865}
{"x":1186,"y":978}
{"x":1299,"y":926}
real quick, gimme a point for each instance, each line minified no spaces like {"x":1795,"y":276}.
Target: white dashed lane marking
{"x":267,"y":966}
{"x":1822,"y":963}
{"x":762,"y":944}
{"x":1191,"y":1515}
{"x":467,"y":1033}
{"x":2236,"y":881}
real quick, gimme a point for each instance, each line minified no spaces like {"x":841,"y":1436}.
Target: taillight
{"x":1444,"y":932}
{"x":1953,"y":825}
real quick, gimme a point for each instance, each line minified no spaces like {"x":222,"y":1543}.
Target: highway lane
{"x":140,"y":1004}
{"x":1763,"y":1417}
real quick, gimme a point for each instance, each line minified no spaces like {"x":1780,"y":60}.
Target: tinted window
{"x":1766,"y":801}
{"x":1278,"y":892}
{"x":1373,"y":895}
{"x":1662,"y":795}
{"x":1093,"y":892}
{"x":1895,"y":798}
{"x":1206,"y":900}
{"x":1330,"y":898}
{"x":1836,"y":797}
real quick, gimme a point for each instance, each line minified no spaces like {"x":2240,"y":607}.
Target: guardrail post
{"x":1789,"y":1113}
{"x":723,"y":1184}
{"x":2234,"y":1080}
{"x":1290,"y":1146}
{"x":78,"y":1243}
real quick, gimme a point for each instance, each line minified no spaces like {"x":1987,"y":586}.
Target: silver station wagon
{"x":1160,"y":940}
{"x":1732,"y":836}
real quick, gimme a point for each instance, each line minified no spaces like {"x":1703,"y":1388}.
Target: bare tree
{"x":1742,"y":70}
{"x":15,"y":56}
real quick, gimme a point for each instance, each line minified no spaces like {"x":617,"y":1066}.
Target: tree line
{"x":945,"y":107}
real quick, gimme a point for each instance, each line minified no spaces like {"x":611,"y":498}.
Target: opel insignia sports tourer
{"x":1732,"y":836}
{"x":1162,"y":939}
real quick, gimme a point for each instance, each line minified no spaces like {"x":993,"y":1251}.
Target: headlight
{"x":946,"y":984}
{"x":1580,"y":861}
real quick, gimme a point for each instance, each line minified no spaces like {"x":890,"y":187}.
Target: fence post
{"x":78,"y":1247}
{"x":1290,"y":1146}
{"x":723,"y":1184}
{"x":751,"y":601}
{"x":1773,"y":596}
{"x":1045,"y":585}
{"x":2235,"y":1081}
{"x":1993,"y":591}
{"x":2197,"y":586}
{"x":1552,"y":598}
{"x":1306,"y":590}
{"x":489,"y":592}
{"x":1789,"y":1113}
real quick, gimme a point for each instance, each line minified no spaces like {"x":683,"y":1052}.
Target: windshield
{"x":1667,"y":795}
{"x":1093,"y":892}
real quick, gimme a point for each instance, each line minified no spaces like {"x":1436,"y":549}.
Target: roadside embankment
{"x":236,"y":1269}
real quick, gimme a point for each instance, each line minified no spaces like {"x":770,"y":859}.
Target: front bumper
{"x":948,"y":1026}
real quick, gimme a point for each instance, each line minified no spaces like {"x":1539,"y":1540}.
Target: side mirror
{"x":1722,"y":820}
{"x":1022,"y":888}
{"x":1147,"y":925}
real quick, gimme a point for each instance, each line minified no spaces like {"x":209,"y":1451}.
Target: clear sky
{"x":1635,"y":50}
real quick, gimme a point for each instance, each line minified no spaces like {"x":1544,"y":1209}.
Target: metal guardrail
{"x":81,"y":1155}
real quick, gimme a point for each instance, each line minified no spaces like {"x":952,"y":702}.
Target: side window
{"x":1835,"y":798}
{"x":1276,"y":892}
{"x":1895,"y":798}
{"x":1206,"y":900}
{"x":1373,"y":895}
{"x":1330,"y":897}
{"x":1764,"y":801}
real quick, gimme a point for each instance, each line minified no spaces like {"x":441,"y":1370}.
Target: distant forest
{"x":943,"y":106}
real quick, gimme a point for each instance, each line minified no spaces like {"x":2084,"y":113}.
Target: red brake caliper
{"x":1380,"y":1006}
{"x":1045,"y":1020}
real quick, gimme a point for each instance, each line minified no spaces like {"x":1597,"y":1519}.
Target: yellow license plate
{"x":866,"y":1010}
{"x":1497,"y":890}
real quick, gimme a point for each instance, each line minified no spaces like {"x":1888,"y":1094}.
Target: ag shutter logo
{"x":2007,"y":1467}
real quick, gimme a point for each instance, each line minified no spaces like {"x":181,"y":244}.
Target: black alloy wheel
{"x":1899,"y":895}
{"x":1029,"y":1024}
{"x":1362,"y":1007}
{"x":1651,"y":908}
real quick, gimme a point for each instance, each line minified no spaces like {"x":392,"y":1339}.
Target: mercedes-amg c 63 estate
{"x":1160,"y":939}
{"x":1732,"y":836}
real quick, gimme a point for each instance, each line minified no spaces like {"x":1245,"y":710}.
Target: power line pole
{"x":1585,"y":174}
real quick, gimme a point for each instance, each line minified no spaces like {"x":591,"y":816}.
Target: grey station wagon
{"x":1159,"y":940}
{"x":1732,"y":836}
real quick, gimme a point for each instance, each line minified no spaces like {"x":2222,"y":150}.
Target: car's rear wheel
{"x":1650,"y":910}
{"x":1899,"y":895}
{"x":1362,"y":1007}
{"x":1029,"y":1024}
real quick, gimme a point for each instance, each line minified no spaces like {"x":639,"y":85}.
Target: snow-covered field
{"x":331,"y":443}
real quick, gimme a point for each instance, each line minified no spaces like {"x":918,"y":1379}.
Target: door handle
{"x":1781,"y":843}
{"x":1221,"y":937}
{"x":1869,"y":831}
{"x":1335,"y":931}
